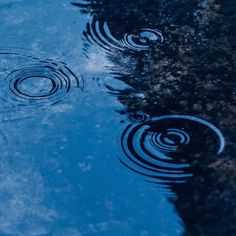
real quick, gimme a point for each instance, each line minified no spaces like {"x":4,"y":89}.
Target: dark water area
{"x":117,"y":117}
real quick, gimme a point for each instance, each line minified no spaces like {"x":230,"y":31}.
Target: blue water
{"x":60,"y":172}
{"x":117,"y":118}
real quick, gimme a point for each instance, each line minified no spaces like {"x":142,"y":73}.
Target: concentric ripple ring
{"x":99,"y":33}
{"x":201,"y":121}
{"x":31,"y":82}
{"x":163,"y":148}
{"x":143,"y":39}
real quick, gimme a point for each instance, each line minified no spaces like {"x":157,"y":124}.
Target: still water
{"x":116,"y":118}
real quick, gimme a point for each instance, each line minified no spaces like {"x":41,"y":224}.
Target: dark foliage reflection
{"x":188,"y":69}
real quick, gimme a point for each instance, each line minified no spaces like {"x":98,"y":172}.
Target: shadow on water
{"x":178,"y":58}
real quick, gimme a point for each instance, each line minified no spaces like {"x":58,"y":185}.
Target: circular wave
{"x":163,"y":148}
{"x":100,"y":33}
{"x":45,"y":82}
{"x":29,"y":81}
{"x":143,"y":39}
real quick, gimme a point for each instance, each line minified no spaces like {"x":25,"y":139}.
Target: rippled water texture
{"x":117,"y":118}
{"x":163,"y":147}
{"x":31,"y":83}
{"x":98,"y":32}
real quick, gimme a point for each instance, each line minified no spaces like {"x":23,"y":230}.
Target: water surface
{"x":117,"y":118}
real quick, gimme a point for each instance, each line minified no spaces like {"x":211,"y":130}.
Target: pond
{"x":117,"y":117}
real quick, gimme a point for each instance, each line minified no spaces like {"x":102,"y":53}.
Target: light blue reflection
{"x":58,"y":172}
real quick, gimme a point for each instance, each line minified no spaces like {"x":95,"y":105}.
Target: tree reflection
{"x":191,"y":72}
